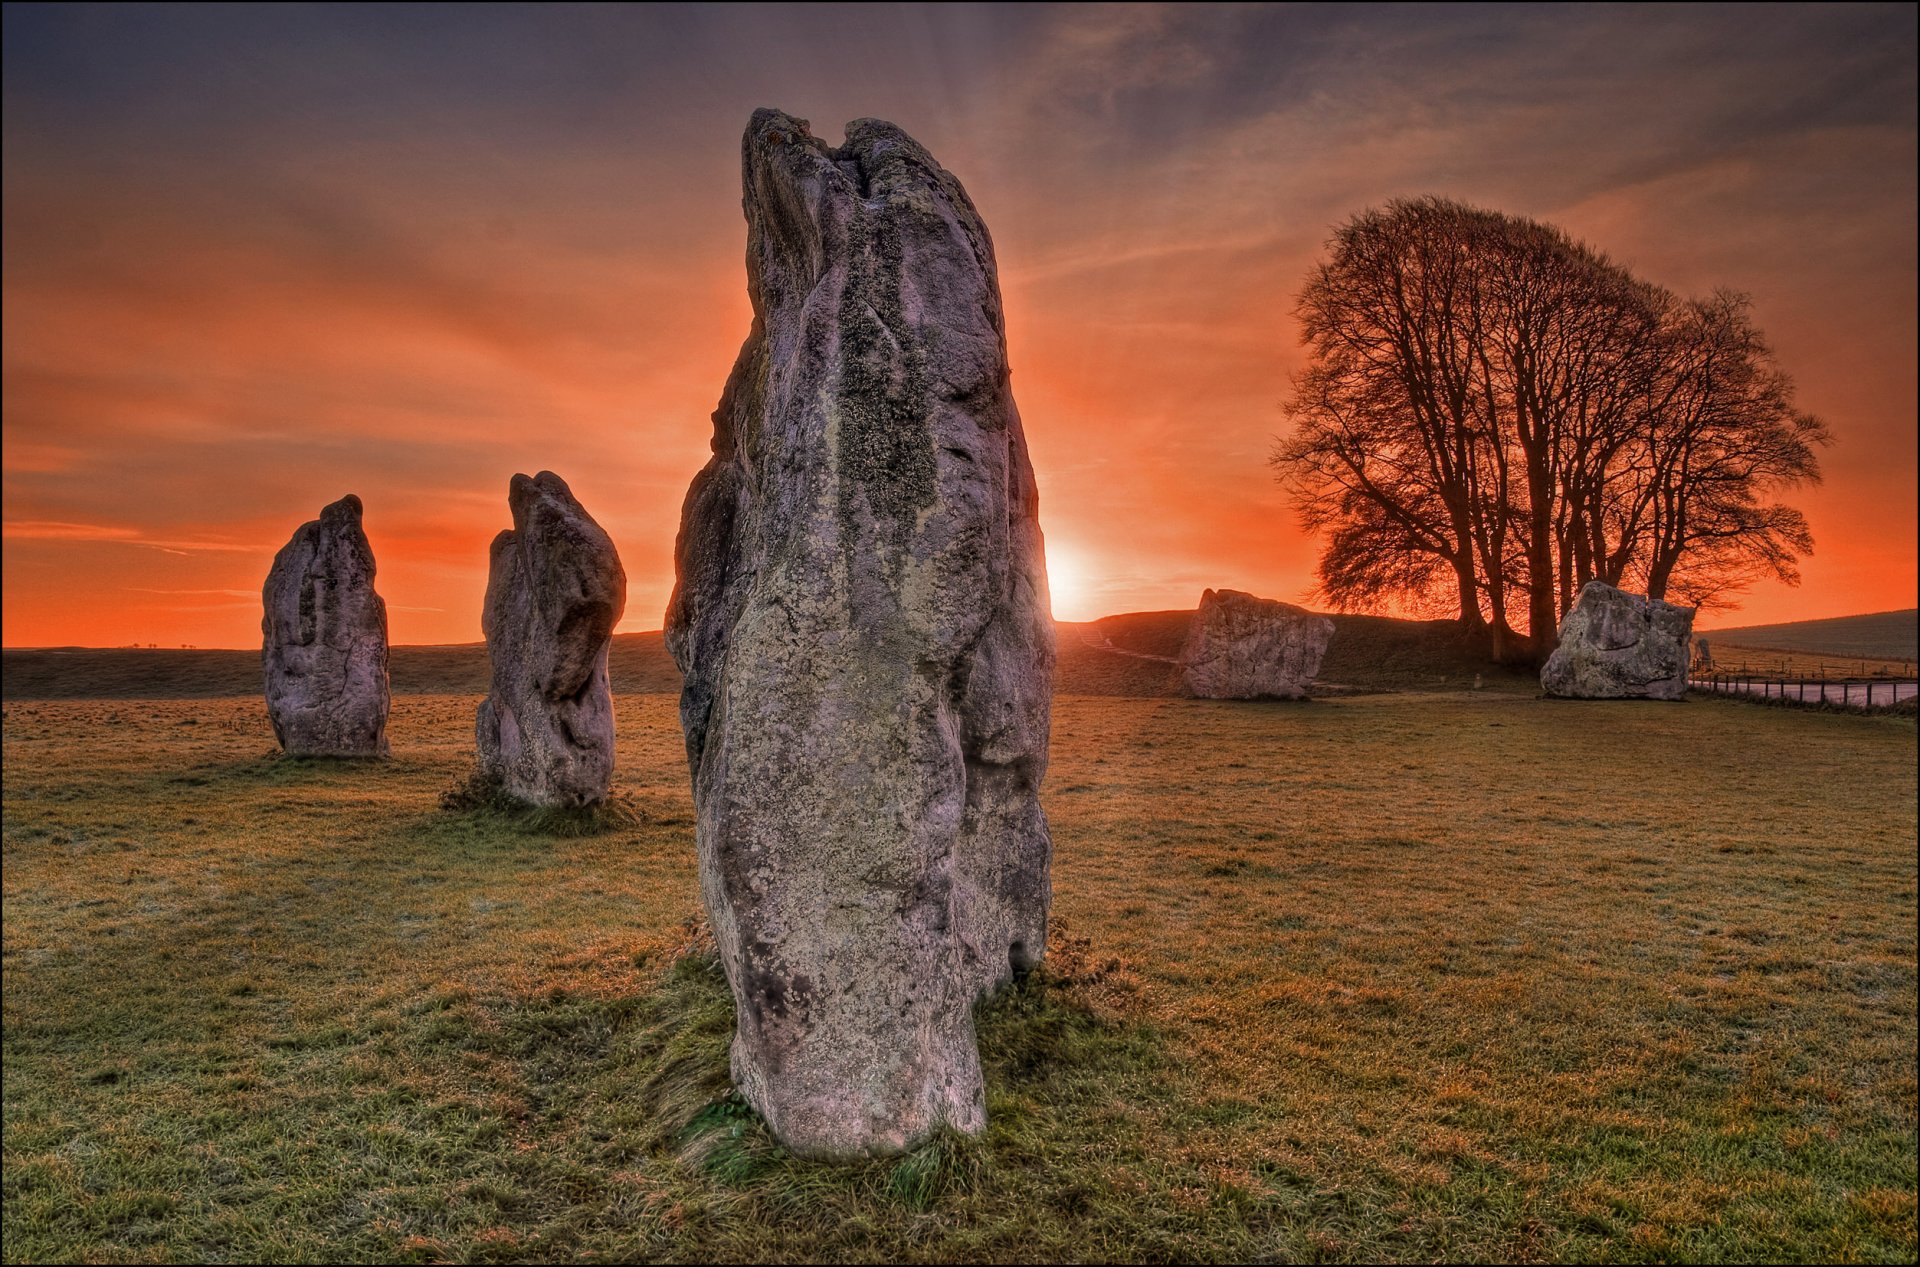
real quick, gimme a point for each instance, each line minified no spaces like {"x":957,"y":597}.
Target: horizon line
{"x":642,"y":633}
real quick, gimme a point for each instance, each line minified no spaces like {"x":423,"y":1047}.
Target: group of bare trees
{"x":1494,"y":414}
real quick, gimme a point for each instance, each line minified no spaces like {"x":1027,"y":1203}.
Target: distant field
{"x":1881,"y":635}
{"x":638,"y":664}
{"x":1760,"y":662}
{"x":1367,"y":652}
{"x":1456,"y":976}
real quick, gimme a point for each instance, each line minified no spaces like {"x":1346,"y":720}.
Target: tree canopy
{"x":1493,"y":414}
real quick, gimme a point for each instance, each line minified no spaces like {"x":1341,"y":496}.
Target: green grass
{"x":1404,"y":976}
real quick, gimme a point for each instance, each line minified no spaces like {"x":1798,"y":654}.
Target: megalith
{"x":1616,"y":645}
{"x":1242,"y":647}
{"x":324,"y":640}
{"x":862,"y":621}
{"x":555,"y":590}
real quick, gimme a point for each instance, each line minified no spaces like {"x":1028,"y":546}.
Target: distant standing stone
{"x":324,"y":648}
{"x":1242,"y":647}
{"x":1616,"y":645}
{"x":863,"y":624}
{"x":555,"y":590}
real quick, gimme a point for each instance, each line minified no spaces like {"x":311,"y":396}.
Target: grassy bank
{"x":1395,"y":976}
{"x":1893,"y":635}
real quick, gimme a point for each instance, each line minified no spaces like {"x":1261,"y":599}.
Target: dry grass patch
{"x":1407,"y":977}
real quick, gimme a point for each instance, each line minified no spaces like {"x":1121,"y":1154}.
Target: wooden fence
{"x":1847,"y":693}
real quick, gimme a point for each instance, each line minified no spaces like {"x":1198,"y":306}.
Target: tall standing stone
{"x":863,"y":625}
{"x":1616,"y":645}
{"x":555,"y":590}
{"x":324,"y":640}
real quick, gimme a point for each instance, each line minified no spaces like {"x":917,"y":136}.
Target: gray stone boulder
{"x":862,"y":621}
{"x":1616,"y":645}
{"x":1242,"y":647}
{"x":324,"y":640}
{"x":555,"y":590}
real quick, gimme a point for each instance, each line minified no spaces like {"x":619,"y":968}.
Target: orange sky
{"x":256,"y":259}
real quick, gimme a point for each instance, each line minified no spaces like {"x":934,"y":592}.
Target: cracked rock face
{"x":1242,"y":647}
{"x":862,"y":619}
{"x":324,"y":640}
{"x":1616,"y":645}
{"x":555,"y":590}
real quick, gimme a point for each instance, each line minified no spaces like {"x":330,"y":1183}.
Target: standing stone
{"x":555,"y":590}
{"x":1242,"y":647}
{"x":1616,"y":645}
{"x":324,"y":640}
{"x":863,"y":625}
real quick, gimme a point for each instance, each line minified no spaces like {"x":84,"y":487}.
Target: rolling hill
{"x":1893,"y":635}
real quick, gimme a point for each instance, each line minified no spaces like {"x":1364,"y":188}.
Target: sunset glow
{"x":260,"y":258}
{"x":1067,"y":583}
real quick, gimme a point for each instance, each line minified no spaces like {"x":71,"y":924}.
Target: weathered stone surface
{"x":1242,"y":647}
{"x":324,"y":640}
{"x":1616,"y":645}
{"x":555,"y":590}
{"x":863,"y":624}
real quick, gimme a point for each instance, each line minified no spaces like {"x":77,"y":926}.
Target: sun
{"x":1067,"y":583}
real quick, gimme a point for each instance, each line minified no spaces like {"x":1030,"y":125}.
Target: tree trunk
{"x":1543,"y":615}
{"x":1509,"y":647}
{"x":1659,"y":575}
{"x":1469,"y":587}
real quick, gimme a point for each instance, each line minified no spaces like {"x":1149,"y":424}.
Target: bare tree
{"x":1388,"y":425}
{"x":1728,"y":436}
{"x":1494,"y":410}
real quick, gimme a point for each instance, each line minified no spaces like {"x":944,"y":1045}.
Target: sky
{"x":257,"y":258}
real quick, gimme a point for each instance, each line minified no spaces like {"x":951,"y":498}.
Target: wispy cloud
{"x":55,"y":530}
{"x":140,"y":589}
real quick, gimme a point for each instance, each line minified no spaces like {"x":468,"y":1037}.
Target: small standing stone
{"x":1616,"y":645}
{"x":1242,"y":647}
{"x":324,"y":640}
{"x":555,"y":590}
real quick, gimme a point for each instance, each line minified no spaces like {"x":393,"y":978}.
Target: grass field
{"x":1810,"y":666}
{"x":1394,"y":976}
